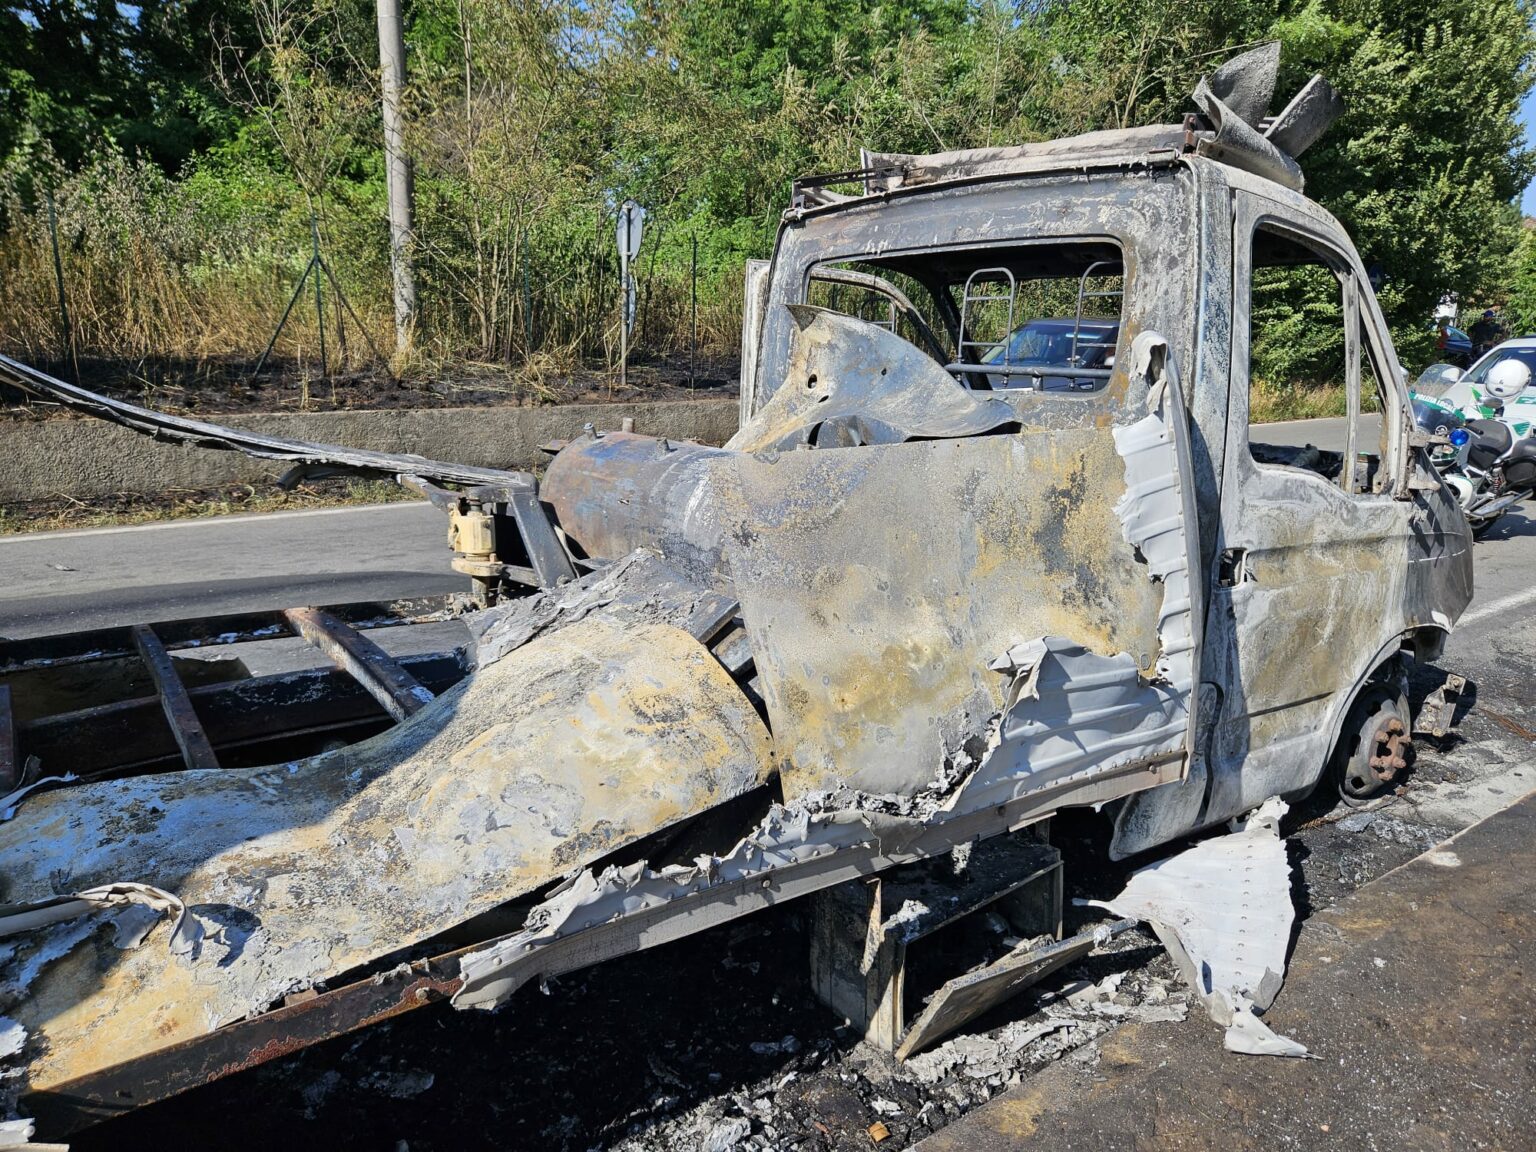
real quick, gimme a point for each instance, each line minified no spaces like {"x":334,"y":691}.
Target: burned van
{"x":995,"y":538}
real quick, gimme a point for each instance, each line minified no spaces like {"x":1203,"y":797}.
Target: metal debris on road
{"x":1223,"y":910}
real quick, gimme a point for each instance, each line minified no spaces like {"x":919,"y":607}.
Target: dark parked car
{"x":1051,"y":344}
{"x":1457,"y":349}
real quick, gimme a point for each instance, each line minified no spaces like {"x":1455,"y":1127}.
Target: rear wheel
{"x":1374,"y":746}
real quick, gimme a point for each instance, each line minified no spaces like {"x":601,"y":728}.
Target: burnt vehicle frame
{"x":908,"y":612}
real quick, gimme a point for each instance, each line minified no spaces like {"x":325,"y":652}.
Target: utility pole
{"x":397,"y":169}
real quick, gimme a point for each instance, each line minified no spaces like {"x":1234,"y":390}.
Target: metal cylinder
{"x":615,"y":492}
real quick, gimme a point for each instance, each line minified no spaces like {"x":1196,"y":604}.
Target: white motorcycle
{"x":1487,"y":459}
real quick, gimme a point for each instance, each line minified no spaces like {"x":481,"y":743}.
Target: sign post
{"x":631,"y":220}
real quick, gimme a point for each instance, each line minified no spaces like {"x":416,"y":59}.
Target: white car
{"x":1446,"y":386}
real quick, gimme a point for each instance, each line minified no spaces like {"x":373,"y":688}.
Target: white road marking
{"x":74,"y":533}
{"x":1493,"y":608}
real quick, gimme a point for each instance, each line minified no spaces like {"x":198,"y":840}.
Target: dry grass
{"x":156,"y":268}
{"x":1270,"y":403}
{"x":65,"y":512}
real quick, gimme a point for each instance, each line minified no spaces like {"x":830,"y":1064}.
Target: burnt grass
{"x":221,"y":387}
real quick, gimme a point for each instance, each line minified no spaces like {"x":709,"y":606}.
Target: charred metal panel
{"x":754,"y":301}
{"x":1072,"y":713}
{"x":541,"y":762}
{"x":1149,"y":215}
{"x":1155,"y":143}
{"x":878,"y":584}
{"x":853,"y":383}
{"x":621,"y":491}
{"x":1330,"y":584}
{"x":794,"y":851}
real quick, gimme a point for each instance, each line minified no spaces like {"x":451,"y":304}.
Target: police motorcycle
{"x":1484,"y":453}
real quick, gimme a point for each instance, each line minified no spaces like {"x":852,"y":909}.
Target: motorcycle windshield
{"x":1478,"y":373}
{"x":1435,"y":379}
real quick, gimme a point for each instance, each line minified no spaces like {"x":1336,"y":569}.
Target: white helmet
{"x":1507,"y":380}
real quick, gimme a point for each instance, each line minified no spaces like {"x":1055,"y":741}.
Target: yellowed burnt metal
{"x":542,"y":762}
{"x":878,"y":583}
{"x":1331,"y":584}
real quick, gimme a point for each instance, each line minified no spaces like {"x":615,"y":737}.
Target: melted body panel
{"x":873,"y":628}
{"x":579,"y":742}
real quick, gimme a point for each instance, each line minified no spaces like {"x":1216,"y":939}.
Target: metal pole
{"x":527,"y":303}
{"x":624,"y":306}
{"x":397,"y":169}
{"x":298,"y":290}
{"x":693,"y":306}
{"x":315,"y":263}
{"x":347,"y":304}
{"x":66,"y":339}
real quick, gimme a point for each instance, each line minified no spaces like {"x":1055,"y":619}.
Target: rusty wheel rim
{"x":1386,"y":756}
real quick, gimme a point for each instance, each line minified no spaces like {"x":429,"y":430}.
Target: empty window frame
{"x":1306,"y":332}
{"x":1041,"y":317}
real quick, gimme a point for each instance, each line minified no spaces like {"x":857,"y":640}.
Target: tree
{"x":75,"y":72}
{"x":1426,"y":164}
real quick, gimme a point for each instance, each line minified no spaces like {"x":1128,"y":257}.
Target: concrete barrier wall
{"x":86,"y":457}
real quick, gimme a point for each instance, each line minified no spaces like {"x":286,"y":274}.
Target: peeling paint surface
{"x":873,"y":625}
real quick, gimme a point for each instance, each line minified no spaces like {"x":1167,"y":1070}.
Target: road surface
{"x":54,"y":582}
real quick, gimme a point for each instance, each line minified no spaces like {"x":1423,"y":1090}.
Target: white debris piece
{"x":1022,"y":662}
{"x":10,"y":800}
{"x":13,"y":1037}
{"x":1223,"y":910}
{"x":1251,"y":1036}
{"x":1170,"y":1013}
{"x":726,"y":1135}
{"x":15,"y":1133}
{"x":141,"y":907}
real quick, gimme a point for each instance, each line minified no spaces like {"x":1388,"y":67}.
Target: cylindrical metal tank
{"x":618,"y":491}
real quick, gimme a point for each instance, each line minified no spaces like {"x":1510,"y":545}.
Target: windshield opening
{"x":1042,"y":316}
{"x":1478,"y":373}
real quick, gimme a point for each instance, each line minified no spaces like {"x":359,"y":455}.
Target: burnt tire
{"x":1374,"y":745}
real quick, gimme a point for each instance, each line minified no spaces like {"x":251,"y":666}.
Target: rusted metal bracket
{"x":244,"y":1044}
{"x":397,"y":691}
{"x":711,"y":616}
{"x":10,"y":767}
{"x":196,"y":749}
{"x":864,"y":930}
{"x":545,"y":552}
{"x":1437,"y":715}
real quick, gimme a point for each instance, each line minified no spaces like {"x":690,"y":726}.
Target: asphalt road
{"x":54,"y":582}
{"x":1328,"y":434}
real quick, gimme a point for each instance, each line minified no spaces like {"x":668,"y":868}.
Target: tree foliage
{"x":530,"y":119}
